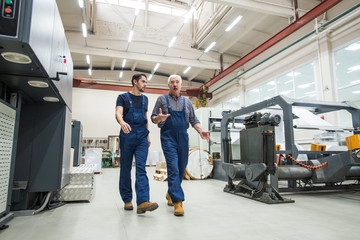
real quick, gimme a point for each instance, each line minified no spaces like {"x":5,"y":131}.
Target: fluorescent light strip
{"x":81,"y":3}
{"x":210,"y":47}
{"x":123,"y":63}
{"x":121,"y":74}
{"x":187,"y":69}
{"x":137,"y":10}
{"x":156,"y":66}
{"x":87,"y":59}
{"x":84,"y":30}
{"x":172,"y":42}
{"x":293,"y":74}
{"x":353,"y":68}
{"x":353,"y":47}
{"x":149,"y":78}
{"x":233,"y":23}
{"x":89,"y":71}
{"x":130,"y":35}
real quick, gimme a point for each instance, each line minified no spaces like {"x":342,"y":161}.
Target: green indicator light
{"x":9,"y":1}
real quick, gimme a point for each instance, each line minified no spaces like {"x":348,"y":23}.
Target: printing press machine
{"x":258,"y":173}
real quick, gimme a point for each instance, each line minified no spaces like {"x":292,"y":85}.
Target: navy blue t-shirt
{"x":123,"y":101}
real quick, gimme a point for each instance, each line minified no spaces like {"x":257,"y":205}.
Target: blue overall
{"x":134,"y":143}
{"x":175,"y":145}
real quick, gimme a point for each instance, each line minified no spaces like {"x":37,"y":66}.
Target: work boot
{"x":146,"y":206}
{"x":128,"y":206}
{"x":179,"y":211}
{"x":170,"y":203}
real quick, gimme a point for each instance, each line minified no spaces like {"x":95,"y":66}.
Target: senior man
{"x":173,"y":113}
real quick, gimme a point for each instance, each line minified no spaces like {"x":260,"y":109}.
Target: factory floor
{"x":209,"y":214}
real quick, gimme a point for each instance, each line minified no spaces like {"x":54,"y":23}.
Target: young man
{"x":131,"y":114}
{"x":173,"y":113}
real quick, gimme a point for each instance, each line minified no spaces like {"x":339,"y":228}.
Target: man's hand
{"x":162,"y":117}
{"x":205,"y":135}
{"x":125,"y":127}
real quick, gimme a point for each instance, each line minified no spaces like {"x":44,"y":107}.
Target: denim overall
{"x":175,"y":145}
{"x":134,"y":143}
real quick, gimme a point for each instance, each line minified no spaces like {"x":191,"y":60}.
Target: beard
{"x":141,"y":89}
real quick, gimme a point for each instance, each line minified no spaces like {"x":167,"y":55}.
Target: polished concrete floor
{"x":209,"y":214}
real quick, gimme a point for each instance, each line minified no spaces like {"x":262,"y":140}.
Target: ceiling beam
{"x":263,"y":7}
{"x":113,"y":61}
{"x":144,"y":57}
{"x":195,"y":73}
{"x":84,"y":83}
{"x":134,"y":65}
{"x":309,"y":16}
{"x":236,"y":36}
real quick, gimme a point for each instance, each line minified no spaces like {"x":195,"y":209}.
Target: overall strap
{"x":167,"y":101}
{"x":143,"y":103}
{"x":184,"y":107}
{"x":129,"y":98}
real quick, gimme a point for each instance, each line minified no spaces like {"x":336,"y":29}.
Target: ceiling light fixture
{"x":87,"y":59}
{"x":38,"y":84}
{"x":130,"y":35}
{"x":186,"y":70}
{"x":149,"y":78}
{"x":210,"y":47}
{"x":123,"y":63}
{"x":81,"y":3}
{"x":84,"y":30}
{"x":156,"y":66}
{"x":172,"y":42}
{"x":233,"y":23}
{"x":121,"y":74}
{"x":89,"y":71}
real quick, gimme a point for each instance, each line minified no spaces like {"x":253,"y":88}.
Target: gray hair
{"x":174,"y":76}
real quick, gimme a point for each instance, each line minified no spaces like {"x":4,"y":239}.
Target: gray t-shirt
{"x":176,"y":105}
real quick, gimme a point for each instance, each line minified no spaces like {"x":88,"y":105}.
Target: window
{"x":347,"y":77}
{"x":298,"y":83}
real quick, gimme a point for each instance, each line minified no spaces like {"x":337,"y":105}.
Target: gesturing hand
{"x":205,"y":135}
{"x":162,"y":117}
{"x":125,"y":127}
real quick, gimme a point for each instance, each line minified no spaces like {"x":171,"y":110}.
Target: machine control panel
{"x":9,"y":18}
{"x":8,"y":9}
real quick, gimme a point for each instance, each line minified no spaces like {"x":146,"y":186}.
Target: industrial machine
{"x":76,"y":142}
{"x":259,"y":172}
{"x":36,"y":94}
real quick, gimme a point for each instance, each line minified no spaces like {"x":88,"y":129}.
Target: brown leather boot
{"x":146,"y":206}
{"x":128,"y":206}
{"x":170,"y":203}
{"x":179,"y":211}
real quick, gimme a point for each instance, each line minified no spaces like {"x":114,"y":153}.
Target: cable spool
{"x":200,"y":164}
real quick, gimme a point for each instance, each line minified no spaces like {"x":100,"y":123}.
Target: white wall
{"x":95,"y":109}
{"x":320,"y":48}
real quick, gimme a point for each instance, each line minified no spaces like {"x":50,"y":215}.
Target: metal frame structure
{"x":344,"y":164}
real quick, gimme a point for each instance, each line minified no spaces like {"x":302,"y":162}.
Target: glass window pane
{"x":285,"y":85}
{"x":267,"y":90}
{"x":347,"y":65}
{"x":252,"y":96}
